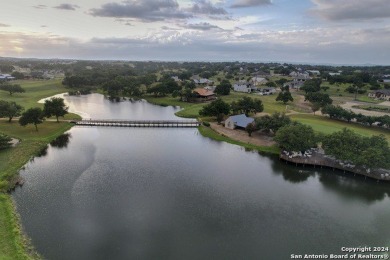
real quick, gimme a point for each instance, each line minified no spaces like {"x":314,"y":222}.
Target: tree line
{"x":52,"y":107}
{"x":339,"y":113}
{"x":219,"y":108}
{"x":346,"y":145}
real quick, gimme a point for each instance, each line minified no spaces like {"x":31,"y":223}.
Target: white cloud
{"x":315,"y":45}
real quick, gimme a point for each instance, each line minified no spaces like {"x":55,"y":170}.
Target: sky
{"x":307,"y":31}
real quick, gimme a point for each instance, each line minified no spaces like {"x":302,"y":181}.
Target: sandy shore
{"x":257,"y":138}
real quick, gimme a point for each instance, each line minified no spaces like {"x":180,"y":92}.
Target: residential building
{"x":382,"y":94}
{"x":238,"y":121}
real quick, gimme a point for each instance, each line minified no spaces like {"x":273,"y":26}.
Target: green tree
{"x":321,"y":99}
{"x":346,"y":145}
{"x":315,"y":107}
{"x":12,"y":88}
{"x":10,"y":110}
{"x":113,"y":87}
{"x":332,"y":111}
{"x":55,"y":107}
{"x":281,"y":82}
{"x":32,"y":116}
{"x":223,"y":88}
{"x":384,"y":121}
{"x":312,"y":85}
{"x":217,"y":108}
{"x":247,"y":105}
{"x":284,"y":96}
{"x":376,"y":153}
{"x":17,"y":75}
{"x":273,"y":122}
{"x":271,"y":84}
{"x":5,"y":141}
{"x":296,"y":137}
{"x":250,"y":128}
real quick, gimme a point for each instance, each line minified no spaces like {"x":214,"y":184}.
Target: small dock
{"x":136,"y":123}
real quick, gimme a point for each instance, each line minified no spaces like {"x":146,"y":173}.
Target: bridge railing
{"x":120,"y":122}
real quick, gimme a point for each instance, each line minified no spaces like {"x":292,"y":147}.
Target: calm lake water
{"x":164,"y":193}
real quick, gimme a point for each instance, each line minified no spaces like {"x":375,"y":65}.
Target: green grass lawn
{"x":366,"y":98}
{"x":35,"y":90}
{"x":327,"y":126}
{"x":11,"y":248}
{"x":13,"y":245}
{"x":191,"y":110}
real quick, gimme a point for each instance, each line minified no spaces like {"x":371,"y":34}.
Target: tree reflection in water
{"x":62,"y":141}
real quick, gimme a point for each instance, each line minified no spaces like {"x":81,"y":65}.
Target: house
{"x":6,"y":77}
{"x":298,"y":80}
{"x":238,"y":121}
{"x":314,"y":72}
{"x":258,"y":80}
{"x":201,"y":81}
{"x":176,"y":78}
{"x":299,"y":75}
{"x":246,"y":88}
{"x":202,"y":94}
{"x":382,"y":94}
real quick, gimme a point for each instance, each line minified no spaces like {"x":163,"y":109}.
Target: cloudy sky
{"x":311,"y":31}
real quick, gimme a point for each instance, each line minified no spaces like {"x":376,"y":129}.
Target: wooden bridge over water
{"x":136,"y":123}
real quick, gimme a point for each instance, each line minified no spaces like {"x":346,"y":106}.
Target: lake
{"x":170,"y":193}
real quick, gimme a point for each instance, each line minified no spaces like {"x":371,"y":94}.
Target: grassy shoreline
{"x":13,"y":243}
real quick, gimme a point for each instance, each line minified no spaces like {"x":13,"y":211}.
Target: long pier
{"x":321,"y":160}
{"x":136,"y":123}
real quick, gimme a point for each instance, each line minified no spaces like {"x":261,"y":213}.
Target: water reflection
{"x":347,"y":185}
{"x":62,"y":141}
{"x":289,"y":172}
{"x":354,"y":187}
{"x":42,"y":152}
{"x":143,"y":193}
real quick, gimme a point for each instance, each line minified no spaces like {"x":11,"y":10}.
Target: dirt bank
{"x":257,"y":138}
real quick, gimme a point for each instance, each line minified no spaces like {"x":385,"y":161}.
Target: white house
{"x":6,"y":77}
{"x":246,"y":88}
{"x":238,"y":121}
{"x":314,"y":72}
{"x":258,"y":80}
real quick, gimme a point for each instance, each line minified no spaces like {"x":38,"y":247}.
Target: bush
{"x":206,"y":124}
{"x":5,"y":141}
